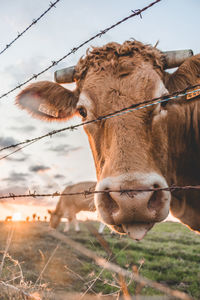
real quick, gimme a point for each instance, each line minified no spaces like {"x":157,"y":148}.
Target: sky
{"x":52,"y":163}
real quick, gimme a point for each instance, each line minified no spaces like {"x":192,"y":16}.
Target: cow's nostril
{"x":149,"y":205}
{"x":107,"y":207}
{"x":110,"y":204}
{"x":156,"y":186}
{"x":155,"y":202}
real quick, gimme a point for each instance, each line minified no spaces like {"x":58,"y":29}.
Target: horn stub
{"x":173,"y":59}
{"x":65,"y":75}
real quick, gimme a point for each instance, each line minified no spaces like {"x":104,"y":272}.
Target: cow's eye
{"x":82,"y":111}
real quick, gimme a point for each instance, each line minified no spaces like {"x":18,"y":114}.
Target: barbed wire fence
{"x":137,"y":12}
{"x":125,"y":110}
{"x":131,"y":108}
{"x":34,"y":22}
{"x":129,"y":192}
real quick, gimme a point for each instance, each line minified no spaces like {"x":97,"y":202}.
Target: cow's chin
{"x":135,"y":231}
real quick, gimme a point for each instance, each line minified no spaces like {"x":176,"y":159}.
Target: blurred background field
{"x":36,"y":262}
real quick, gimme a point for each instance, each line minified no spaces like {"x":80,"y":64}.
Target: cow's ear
{"x":48,"y":101}
{"x":49,"y":211}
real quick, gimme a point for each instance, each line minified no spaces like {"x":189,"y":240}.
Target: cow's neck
{"x":87,"y":204}
{"x":184,"y":143}
{"x":59,"y":209}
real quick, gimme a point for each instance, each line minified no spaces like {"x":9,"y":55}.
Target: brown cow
{"x":153,"y":147}
{"x":68,"y":206}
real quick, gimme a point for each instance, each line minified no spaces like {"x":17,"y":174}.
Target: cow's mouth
{"x":136,"y":231}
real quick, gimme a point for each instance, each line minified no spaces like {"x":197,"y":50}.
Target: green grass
{"x":169,"y":254}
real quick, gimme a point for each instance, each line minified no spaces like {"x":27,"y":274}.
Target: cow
{"x":69,"y":205}
{"x":155,"y":147}
{"x":34,"y":217}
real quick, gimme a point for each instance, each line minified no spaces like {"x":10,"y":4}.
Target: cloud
{"x":59,"y":176}
{"x":39,"y":168}
{"x":16,"y":176}
{"x":63,"y":149}
{"x":17,"y":72}
{"x":18,"y":159}
{"x":68,"y":183}
{"x":21,"y":157}
{"x":60,"y":148}
{"x":13,"y":189}
{"x":27,"y":128}
{"x":7,"y":141}
{"x":49,"y":186}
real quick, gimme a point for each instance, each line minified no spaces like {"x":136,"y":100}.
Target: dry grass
{"x":35,"y":264}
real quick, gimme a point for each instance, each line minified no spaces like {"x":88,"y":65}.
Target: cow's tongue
{"x":138,"y":230}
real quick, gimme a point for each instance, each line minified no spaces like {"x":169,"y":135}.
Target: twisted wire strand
{"x":20,"y":34}
{"x":131,"y":108}
{"x":75,"y":49}
{"x":129,"y":192}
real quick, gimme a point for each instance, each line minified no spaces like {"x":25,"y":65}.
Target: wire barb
{"x":34,"y":21}
{"x":75,"y":49}
{"x":128,"y":192}
{"x":125,"y":110}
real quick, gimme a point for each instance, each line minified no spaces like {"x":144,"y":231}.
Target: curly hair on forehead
{"x":112,"y":53}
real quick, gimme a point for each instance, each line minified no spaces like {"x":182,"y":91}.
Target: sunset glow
{"x":17,"y":216}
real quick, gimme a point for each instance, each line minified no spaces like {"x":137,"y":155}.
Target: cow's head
{"x":55,"y":218}
{"x":130,"y":151}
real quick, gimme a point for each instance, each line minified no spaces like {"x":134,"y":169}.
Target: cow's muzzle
{"x":133,"y":213}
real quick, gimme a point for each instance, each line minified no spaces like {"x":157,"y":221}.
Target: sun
{"x":17,"y":216}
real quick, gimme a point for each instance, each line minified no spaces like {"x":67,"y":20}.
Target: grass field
{"x":169,"y":254}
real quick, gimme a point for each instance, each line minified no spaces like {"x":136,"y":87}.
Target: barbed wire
{"x":19,"y":149}
{"x":131,"y":108}
{"x":106,"y":264}
{"x":75,"y":49}
{"x":129,"y":192}
{"x":20,"y":34}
